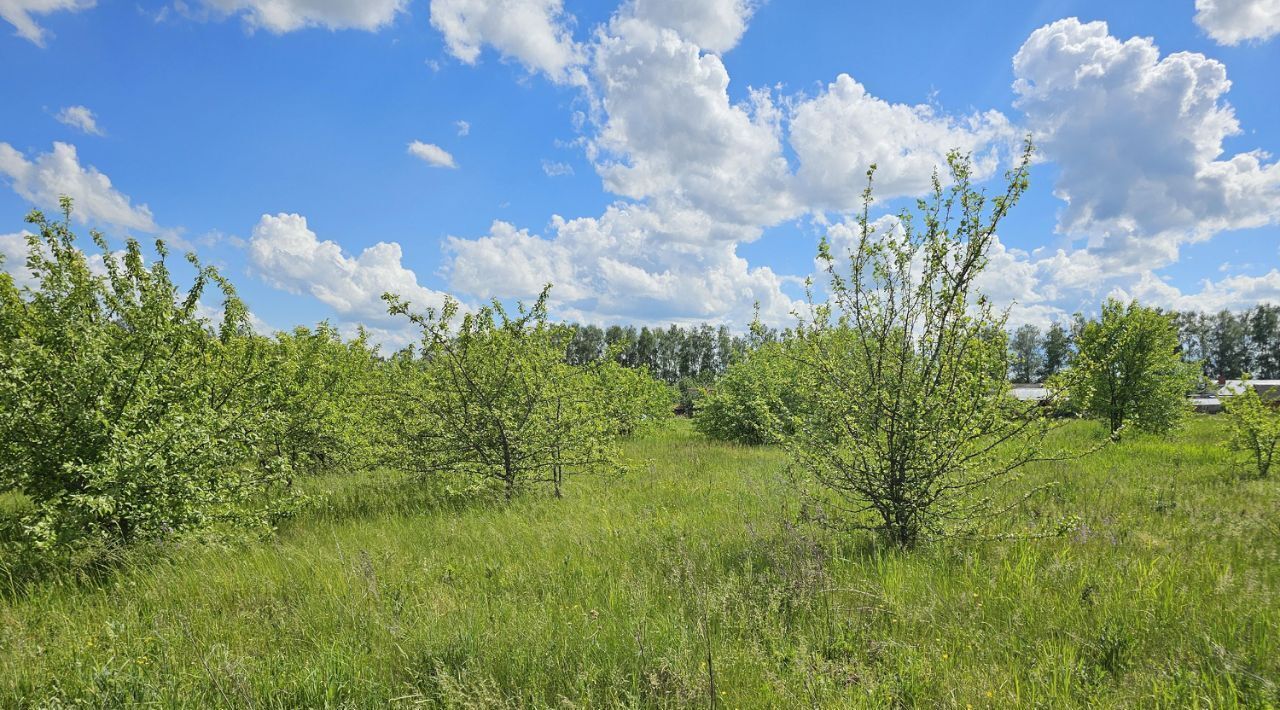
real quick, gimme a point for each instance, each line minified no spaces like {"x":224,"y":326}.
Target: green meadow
{"x":691,"y":580}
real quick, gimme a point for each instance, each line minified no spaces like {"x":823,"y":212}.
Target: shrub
{"x":1254,"y":427}
{"x":908,"y":419}
{"x":632,"y":399}
{"x":319,"y":401}
{"x":123,"y":414}
{"x":754,"y":401}
{"x":494,"y":400}
{"x":1128,"y":370}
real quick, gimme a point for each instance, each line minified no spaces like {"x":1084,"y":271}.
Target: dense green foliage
{"x":123,"y":414}
{"x":674,"y":354}
{"x":633,"y":401}
{"x":756,"y":399}
{"x":1026,"y":360}
{"x":326,"y":388}
{"x":1254,"y":427}
{"x":1167,"y":595}
{"x":1127,"y":370}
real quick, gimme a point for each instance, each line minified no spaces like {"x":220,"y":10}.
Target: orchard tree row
{"x":127,"y":416}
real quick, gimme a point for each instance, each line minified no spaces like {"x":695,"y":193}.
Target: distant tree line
{"x":1227,"y":345}
{"x":674,"y":355}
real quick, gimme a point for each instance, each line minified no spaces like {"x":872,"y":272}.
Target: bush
{"x":1254,"y":427}
{"x":123,"y":414}
{"x":495,"y":400}
{"x":754,"y":401}
{"x":319,"y":401}
{"x":632,"y":399}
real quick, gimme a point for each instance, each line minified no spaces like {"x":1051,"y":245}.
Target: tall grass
{"x":635,"y":591}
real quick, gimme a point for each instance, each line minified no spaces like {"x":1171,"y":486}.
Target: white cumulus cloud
{"x":671,"y":133}
{"x":1231,"y":22}
{"x":81,"y":118}
{"x":535,"y":33}
{"x":630,"y":264}
{"x":19,"y":14}
{"x":1231,"y":293}
{"x":432,"y":154}
{"x":44,"y":178}
{"x":1138,"y":141}
{"x":286,"y":253}
{"x":714,"y":25}
{"x":13,"y":254}
{"x":841,"y":133}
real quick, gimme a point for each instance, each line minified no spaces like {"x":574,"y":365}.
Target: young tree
{"x":123,"y":414}
{"x":631,"y":398}
{"x":907,"y":418}
{"x":318,"y":400}
{"x":1057,"y":351}
{"x":1127,"y":370}
{"x":1025,"y":353}
{"x":494,"y":400}
{"x":754,"y":401}
{"x":1255,"y":428}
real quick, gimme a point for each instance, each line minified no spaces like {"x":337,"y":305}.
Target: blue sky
{"x":657,"y":160}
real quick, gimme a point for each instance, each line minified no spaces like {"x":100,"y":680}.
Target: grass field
{"x":1167,"y":595}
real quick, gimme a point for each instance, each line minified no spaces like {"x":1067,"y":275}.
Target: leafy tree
{"x":1057,"y":351}
{"x":907,"y":419}
{"x":490,"y":398}
{"x":1127,"y":370}
{"x":1025,"y":353}
{"x":1255,"y":428}
{"x":647,"y":352}
{"x":123,"y":414}
{"x":1229,"y":353}
{"x":755,"y":401}
{"x":1264,"y":341}
{"x":632,"y":399}
{"x":319,"y":400}
{"x":586,"y":345}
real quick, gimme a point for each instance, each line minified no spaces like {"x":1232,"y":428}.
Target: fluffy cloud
{"x":1138,"y":140}
{"x":43,"y":179}
{"x":671,"y":133}
{"x":1234,"y":21}
{"x":839,"y":134}
{"x":280,"y":16}
{"x":623,"y":266}
{"x":1233,"y":292}
{"x":19,"y":14}
{"x":432,"y":154}
{"x":289,"y":256}
{"x":532,"y":32}
{"x":714,"y":25}
{"x":80,"y":118}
